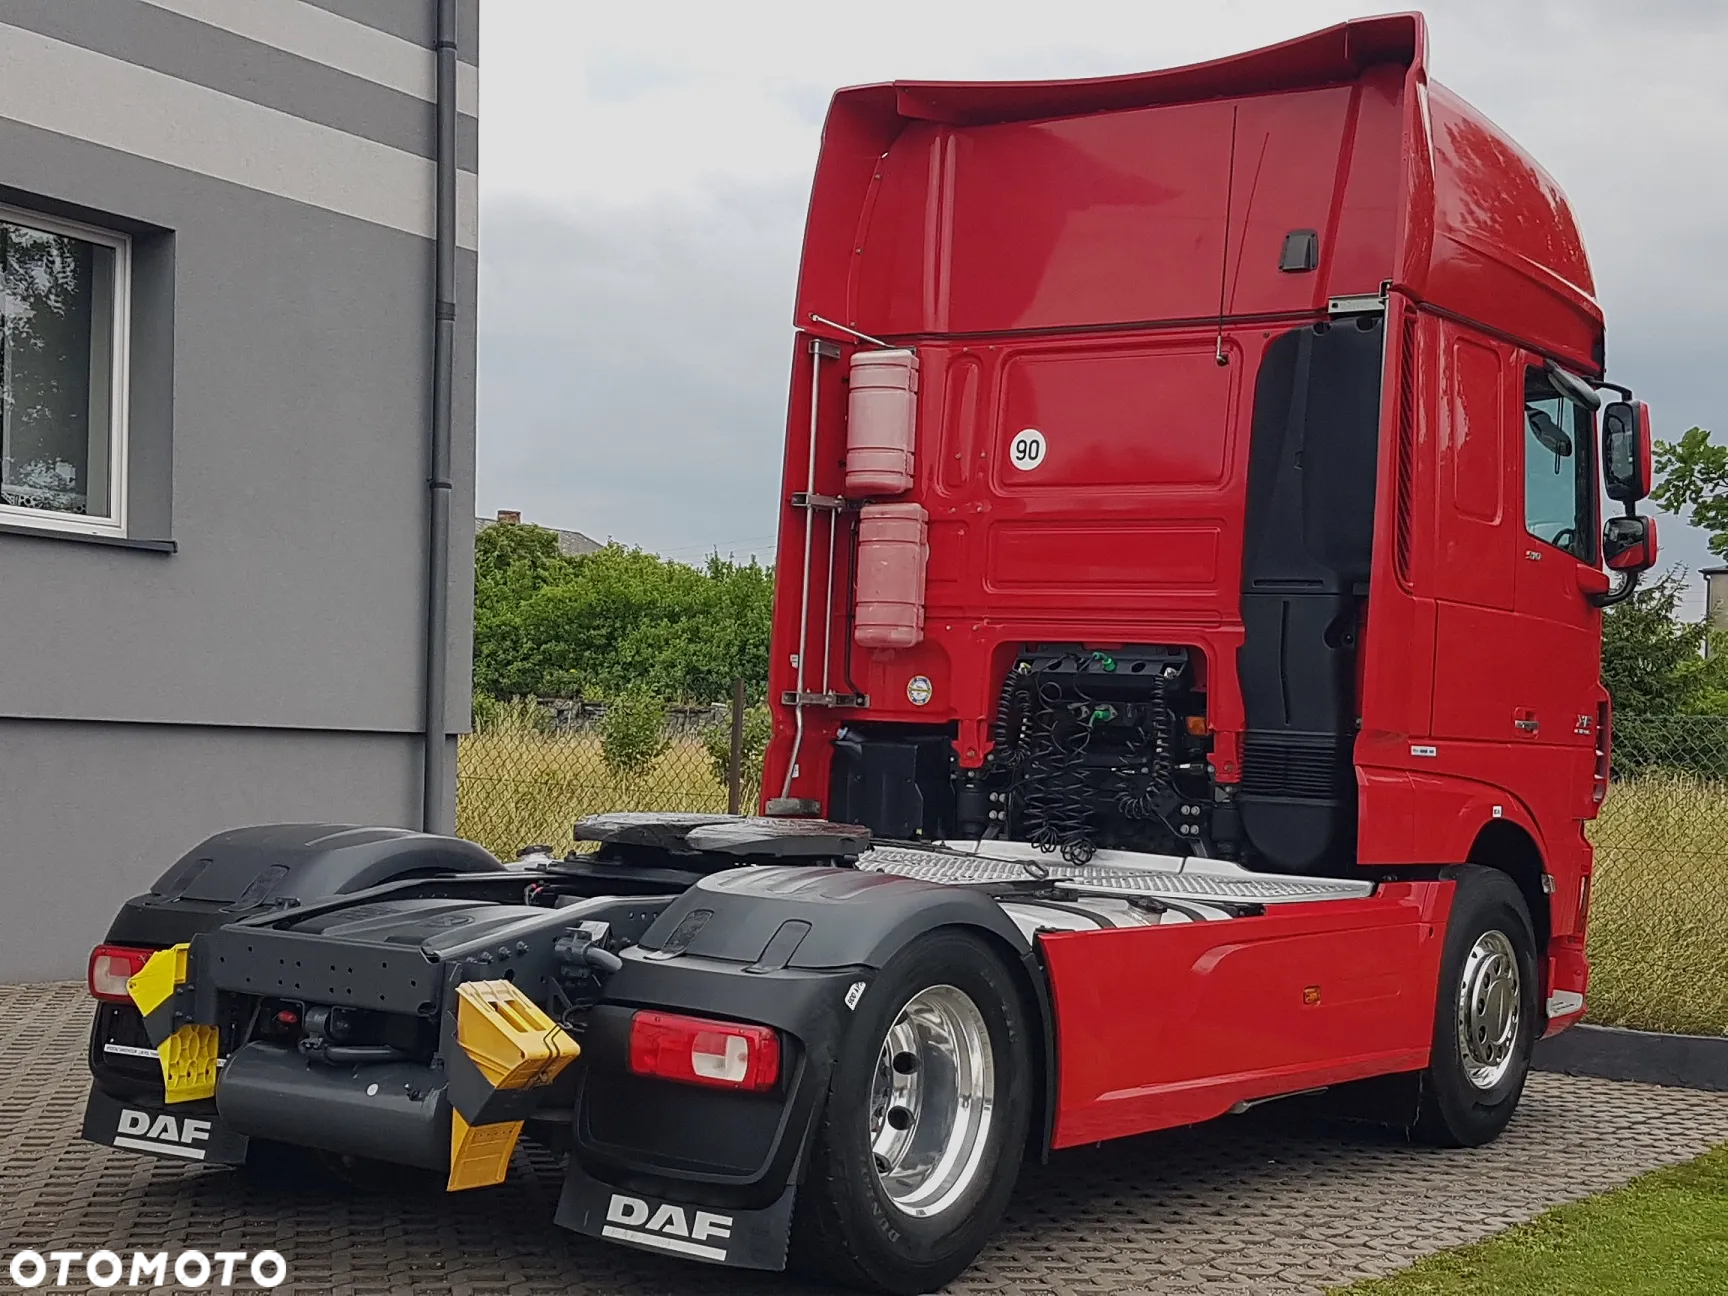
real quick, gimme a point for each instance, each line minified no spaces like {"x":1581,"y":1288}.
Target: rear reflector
{"x":696,"y":1050}
{"x":111,"y":967}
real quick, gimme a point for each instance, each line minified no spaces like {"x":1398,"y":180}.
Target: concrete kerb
{"x":1647,"y":1057}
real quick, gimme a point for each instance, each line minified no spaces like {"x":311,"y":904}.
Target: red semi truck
{"x":1186,"y":684}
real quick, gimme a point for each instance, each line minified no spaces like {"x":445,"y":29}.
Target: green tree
{"x":1653,"y":662}
{"x":614,"y":621}
{"x":512,"y":563}
{"x":1692,"y":480}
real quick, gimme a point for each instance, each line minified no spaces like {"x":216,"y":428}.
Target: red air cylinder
{"x":893,"y":549}
{"x":881,"y":417}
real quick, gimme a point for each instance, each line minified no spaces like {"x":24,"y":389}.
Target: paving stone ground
{"x":1274,"y":1202}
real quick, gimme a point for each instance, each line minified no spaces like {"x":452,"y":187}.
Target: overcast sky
{"x":644,"y":170}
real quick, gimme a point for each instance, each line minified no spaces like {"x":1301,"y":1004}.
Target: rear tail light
{"x":696,"y":1050}
{"x":111,"y":967}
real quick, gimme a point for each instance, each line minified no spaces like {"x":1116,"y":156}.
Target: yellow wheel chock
{"x":516,"y":1047}
{"x":187,"y":1053}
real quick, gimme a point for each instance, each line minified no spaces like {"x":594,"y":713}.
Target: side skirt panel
{"x":1176,"y":1023}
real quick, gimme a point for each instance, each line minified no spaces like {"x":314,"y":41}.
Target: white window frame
{"x":119,"y":381}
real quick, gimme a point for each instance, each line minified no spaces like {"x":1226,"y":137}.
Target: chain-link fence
{"x":530,"y":769}
{"x":1659,"y":900}
{"x":1659,"y":918}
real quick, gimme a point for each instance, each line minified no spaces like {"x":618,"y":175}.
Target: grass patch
{"x":1659,"y":907}
{"x":1664,"y":1234}
{"x":517,"y":786}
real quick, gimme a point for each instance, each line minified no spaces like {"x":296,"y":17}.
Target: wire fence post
{"x":735,"y":766}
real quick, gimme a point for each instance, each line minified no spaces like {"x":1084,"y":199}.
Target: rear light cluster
{"x":696,"y":1050}
{"x":111,"y":967}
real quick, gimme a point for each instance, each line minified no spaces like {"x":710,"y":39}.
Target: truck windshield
{"x":1559,"y":477}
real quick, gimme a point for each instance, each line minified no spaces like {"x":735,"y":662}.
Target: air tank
{"x":881,"y":418}
{"x":893,"y":549}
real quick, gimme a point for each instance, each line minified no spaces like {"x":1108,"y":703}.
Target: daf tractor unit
{"x":1186,"y":691}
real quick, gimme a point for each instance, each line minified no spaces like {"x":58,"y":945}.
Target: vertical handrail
{"x":804,"y":590}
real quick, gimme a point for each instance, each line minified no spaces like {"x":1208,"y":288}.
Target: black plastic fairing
{"x":276,"y":862}
{"x":897,"y":779}
{"x":857,"y":918}
{"x":394,"y":1111}
{"x":1305,"y":572}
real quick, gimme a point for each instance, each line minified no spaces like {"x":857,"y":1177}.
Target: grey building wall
{"x":257,"y":655}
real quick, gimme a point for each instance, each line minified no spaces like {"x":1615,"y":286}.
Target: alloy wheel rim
{"x":1490,"y":1010}
{"x":931,"y":1101}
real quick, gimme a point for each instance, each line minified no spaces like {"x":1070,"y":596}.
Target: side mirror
{"x":1626,"y":471}
{"x":1629,"y":544}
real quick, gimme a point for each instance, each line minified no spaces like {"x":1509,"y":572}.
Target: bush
{"x":758,"y":726}
{"x":520,"y":715}
{"x":1690,"y":744}
{"x":633,"y":733}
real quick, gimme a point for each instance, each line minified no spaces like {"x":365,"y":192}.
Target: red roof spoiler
{"x":1335,"y":55}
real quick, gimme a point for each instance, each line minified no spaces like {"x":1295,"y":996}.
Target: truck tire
{"x":1485,"y":1021}
{"x":925,"y":1123}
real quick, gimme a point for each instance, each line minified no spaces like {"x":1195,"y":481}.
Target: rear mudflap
{"x":189,"y":1132}
{"x":745,"y":1239}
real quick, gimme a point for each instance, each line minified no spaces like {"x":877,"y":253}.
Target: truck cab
{"x":1249,"y":443}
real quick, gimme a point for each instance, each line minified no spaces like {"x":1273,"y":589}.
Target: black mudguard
{"x":845,"y":917}
{"x":274,"y":866}
{"x":245,"y":872}
{"x":788,"y":947}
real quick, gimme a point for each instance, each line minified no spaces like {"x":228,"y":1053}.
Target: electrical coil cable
{"x":1139,"y":800}
{"x":1011,"y":732}
{"x":1050,"y":783}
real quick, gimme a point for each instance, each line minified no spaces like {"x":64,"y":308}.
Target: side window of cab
{"x":1559,"y":468}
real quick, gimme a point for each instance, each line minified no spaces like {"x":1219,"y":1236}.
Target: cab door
{"x":1556,"y":660}
{"x":1478,"y":534}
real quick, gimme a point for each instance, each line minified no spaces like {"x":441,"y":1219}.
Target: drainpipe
{"x":437,"y":811}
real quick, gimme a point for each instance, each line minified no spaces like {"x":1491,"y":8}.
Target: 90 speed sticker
{"x":1026,"y":450}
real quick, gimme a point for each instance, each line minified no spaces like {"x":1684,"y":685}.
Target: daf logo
{"x":667,"y":1227}
{"x":174,"y":1136}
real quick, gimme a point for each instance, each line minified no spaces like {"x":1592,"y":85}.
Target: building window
{"x":64,"y":291}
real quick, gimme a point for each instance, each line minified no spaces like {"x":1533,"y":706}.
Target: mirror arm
{"x":1619,"y":594}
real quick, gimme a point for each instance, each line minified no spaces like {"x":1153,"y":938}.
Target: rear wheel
{"x":925,"y":1123}
{"x":1485,"y":1021}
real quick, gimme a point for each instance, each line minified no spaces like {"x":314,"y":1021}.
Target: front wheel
{"x":925,"y":1124}
{"x":1485,"y":1020}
